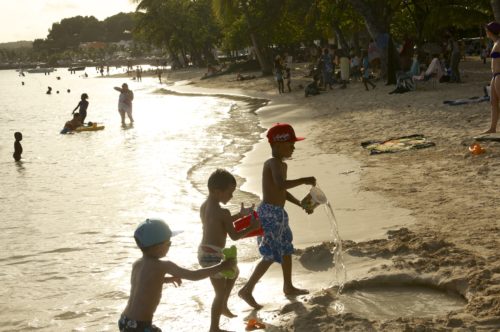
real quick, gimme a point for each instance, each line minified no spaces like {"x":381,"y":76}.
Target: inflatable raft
{"x":93,"y":127}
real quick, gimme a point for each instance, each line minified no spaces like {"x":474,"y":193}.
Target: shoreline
{"x":451,"y":244}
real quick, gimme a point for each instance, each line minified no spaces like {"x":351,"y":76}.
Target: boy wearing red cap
{"x":276,"y":244}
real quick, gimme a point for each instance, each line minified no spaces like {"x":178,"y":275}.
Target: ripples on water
{"x":70,"y":207}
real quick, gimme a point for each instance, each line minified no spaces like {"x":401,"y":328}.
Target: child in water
{"x":18,"y":149}
{"x":82,"y":105}
{"x":217,"y":223}
{"x":148,"y":276}
{"x":276,"y":244}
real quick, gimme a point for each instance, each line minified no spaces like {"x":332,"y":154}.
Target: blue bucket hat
{"x":152,"y":232}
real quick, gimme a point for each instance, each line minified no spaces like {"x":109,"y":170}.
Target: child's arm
{"x":179,"y":272}
{"x":117,"y":89}
{"x":279,"y":176}
{"x":75,"y":108}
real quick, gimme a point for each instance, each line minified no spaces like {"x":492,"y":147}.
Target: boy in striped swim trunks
{"x":217,"y":225}
{"x":276,"y":244}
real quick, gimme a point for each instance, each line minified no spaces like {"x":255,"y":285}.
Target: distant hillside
{"x":17,"y":44}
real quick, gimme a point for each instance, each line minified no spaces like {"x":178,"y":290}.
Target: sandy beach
{"x":428,"y":215}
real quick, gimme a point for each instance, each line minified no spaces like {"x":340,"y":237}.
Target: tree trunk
{"x":495,"y":5}
{"x":377,"y":26}
{"x":340,"y":38}
{"x":265,"y":65}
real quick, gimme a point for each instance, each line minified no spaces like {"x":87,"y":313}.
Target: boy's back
{"x":274,"y":171}
{"x":212,"y":217}
{"x":146,"y":288}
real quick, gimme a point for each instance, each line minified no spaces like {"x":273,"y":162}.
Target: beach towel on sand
{"x":472,"y":100}
{"x":397,"y":144}
{"x":494,"y":137}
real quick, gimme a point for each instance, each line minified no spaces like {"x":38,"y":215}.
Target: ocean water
{"x":70,"y":207}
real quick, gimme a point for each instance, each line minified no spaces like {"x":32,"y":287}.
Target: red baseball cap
{"x":282,"y":132}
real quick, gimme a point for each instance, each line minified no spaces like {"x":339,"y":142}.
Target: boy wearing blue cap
{"x":148,"y":276}
{"x":276,"y":244}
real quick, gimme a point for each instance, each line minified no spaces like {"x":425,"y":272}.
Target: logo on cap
{"x":282,"y":132}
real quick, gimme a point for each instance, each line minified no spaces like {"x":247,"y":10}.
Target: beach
{"x":418,"y":218}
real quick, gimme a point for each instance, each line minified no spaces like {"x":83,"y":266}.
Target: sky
{"x":31,"y":19}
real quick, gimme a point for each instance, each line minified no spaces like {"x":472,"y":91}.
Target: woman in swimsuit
{"x":493,"y":32}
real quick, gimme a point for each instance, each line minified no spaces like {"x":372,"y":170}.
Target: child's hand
{"x":246,"y":211}
{"x":310,"y":180}
{"x":173,"y":280}
{"x":308,"y":211}
{"x":228,"y":264}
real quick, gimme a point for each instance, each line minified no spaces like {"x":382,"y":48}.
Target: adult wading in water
{"x":125,"y":102}
{"x":493,"y":32}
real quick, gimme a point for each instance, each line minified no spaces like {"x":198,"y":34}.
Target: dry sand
{"x":439,"y":204}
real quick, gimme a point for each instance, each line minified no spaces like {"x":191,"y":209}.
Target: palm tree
{"x":227,"y":10}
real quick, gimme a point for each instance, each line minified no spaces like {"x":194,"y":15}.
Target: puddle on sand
{"x":402,"y":301}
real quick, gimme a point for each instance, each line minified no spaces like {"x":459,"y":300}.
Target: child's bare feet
{"x":489,"y":131}
{"x":293,"y":291}
{"x":248,"y":298}
{"x":226,"y":312}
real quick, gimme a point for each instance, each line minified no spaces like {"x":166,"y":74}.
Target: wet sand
{"x":422,"y":217}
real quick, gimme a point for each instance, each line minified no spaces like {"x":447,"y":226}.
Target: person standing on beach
{"x":125,"y":102}
{"x":82,"y":106}
{"x":217,"y":223}
{"x":366,"y":71}
{"x":18,"y":148}
{"x":493,"y":32}
{"x":278,"y":72}
{"x":276,"y":244}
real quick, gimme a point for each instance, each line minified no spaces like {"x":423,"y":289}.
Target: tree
{"x":229,"y":11}
{"x":495,"y":5}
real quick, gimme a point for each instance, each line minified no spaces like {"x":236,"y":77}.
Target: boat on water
{"x":40,"y":70}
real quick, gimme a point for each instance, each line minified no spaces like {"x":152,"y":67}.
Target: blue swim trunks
{"x":277,"y":239}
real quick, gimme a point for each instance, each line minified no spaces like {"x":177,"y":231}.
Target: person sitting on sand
{"x":82,"y":106}
{"x":312,"y":89}
{"x":148,"y":276}
{"x":435,"y":69}
{"x":240,"y":77}
{"x":493,"y":33}
{"x":276,"y":244}
{"x":217,"y":224}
